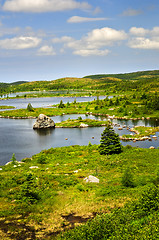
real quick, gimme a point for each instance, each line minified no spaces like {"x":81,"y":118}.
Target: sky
{"x":51,"y":39}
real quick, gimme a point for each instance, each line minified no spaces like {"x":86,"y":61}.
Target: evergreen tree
{"x":13,"y":159}
{"x":61,"y":104}
{"x":30,"y":108}
{"x":110,"y":142}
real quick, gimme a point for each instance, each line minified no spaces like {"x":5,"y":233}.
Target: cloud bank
{"x":39,"y":6}
{"x":94,"y":43}
{"x":19,"y":43}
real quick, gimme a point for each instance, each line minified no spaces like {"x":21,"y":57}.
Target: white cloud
{"x":46,"y":51}
{"x":77,"y":19}
{"x":144,"y":43}
{"x":91,"y":52}
{"x":105,"y":37}
{"x":138,"y":31}
{"x":43,"y":5}
{"x":20,"y":42}
{"x":155,"y":31}
{"x":131,"y":12}
{"x":145,"y":38}
{"x":94,"y":42}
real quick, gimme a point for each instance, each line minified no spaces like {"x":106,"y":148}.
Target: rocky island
{"x":43,"y":121}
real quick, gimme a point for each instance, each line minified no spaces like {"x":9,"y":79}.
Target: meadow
{"x":43,"y":196}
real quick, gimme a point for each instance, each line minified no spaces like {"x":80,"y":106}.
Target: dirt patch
{"x":72,"y":218}
{"x":17,"y":231}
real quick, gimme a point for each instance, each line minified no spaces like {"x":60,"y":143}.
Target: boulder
{"x":152,"y":147}
{"x":83,"y":125}
{"x":43,"y":121}
{"x":91,"y":179}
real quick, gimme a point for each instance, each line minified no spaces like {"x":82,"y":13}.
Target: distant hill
{"x":128,"y":76}
{"x":143,"y":80}
{"x":17,"y":82}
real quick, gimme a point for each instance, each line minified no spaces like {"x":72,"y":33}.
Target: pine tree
{"x":61,"y":104}
{"x":110,"y":142}
{"x":30,"y":108}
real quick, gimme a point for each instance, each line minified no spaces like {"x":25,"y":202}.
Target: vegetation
{"x":141,"y":132}
{"x":110,"y":142}
{"x":47,"y":194}
{"x":30,"y":108}
{"x":6,"y":107}
{"x":91,"y":85}
{"x":137,"y":220}
{"x":132,"y":106}
{"x":81,"y":123}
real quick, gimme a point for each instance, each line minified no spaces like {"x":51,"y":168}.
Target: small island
{"x":81,"y":123}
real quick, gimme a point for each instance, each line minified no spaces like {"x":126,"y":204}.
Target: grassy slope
{"x":90,"y":82}
{"x":59,"y":181}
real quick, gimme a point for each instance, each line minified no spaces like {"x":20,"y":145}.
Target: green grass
{"x":6,"y":107}
{"x":58,"y":187}
{"x":73,"y":123}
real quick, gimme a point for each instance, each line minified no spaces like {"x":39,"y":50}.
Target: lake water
{"x":17,"y":136}
{"x":43,"y":102}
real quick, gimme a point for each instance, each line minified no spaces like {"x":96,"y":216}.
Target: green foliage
{"x":138,"y":220}
{"x":149,"y":202}
{"x":41,"y":159}
{"x":89,"y":144}
{"x":13,"y":159}
{"x":61,"y":104}
{"x":110,"y":142}
{"x":28,"y":192}
{"x":30,"y":108}
{"x":127,"y":179}
{"x":58,"y":188}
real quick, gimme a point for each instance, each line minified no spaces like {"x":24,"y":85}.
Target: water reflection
{"x":44,"y":132}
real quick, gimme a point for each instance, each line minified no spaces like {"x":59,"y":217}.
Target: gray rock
{"x":43,"y":121}
{"x":91,"y":179}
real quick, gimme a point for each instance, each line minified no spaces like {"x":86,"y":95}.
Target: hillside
{"x":128,"y":76}
{"x":47,"y":194}
{"x":92,"y":85}
{"x":111,"y":82}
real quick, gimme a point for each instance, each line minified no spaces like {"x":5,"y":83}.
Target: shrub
{"x":28,"y":191}
{"x":127,"y":179}
{"x":149,"y":201}
{"x":79,"y":118}
{"x":41,"y":159}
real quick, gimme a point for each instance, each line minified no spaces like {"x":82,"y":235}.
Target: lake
{"x":44,"y":101}
{"x":18,"y":136}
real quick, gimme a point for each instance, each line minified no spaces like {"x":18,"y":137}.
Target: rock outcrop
{"x":43,"y":121}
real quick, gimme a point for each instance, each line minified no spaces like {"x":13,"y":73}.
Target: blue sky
{"x":50,"y":39}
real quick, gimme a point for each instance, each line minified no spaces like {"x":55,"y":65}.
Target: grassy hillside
{"x":111,"y":83}
{"x":47,"y":194}
{"x":128,"y":76}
